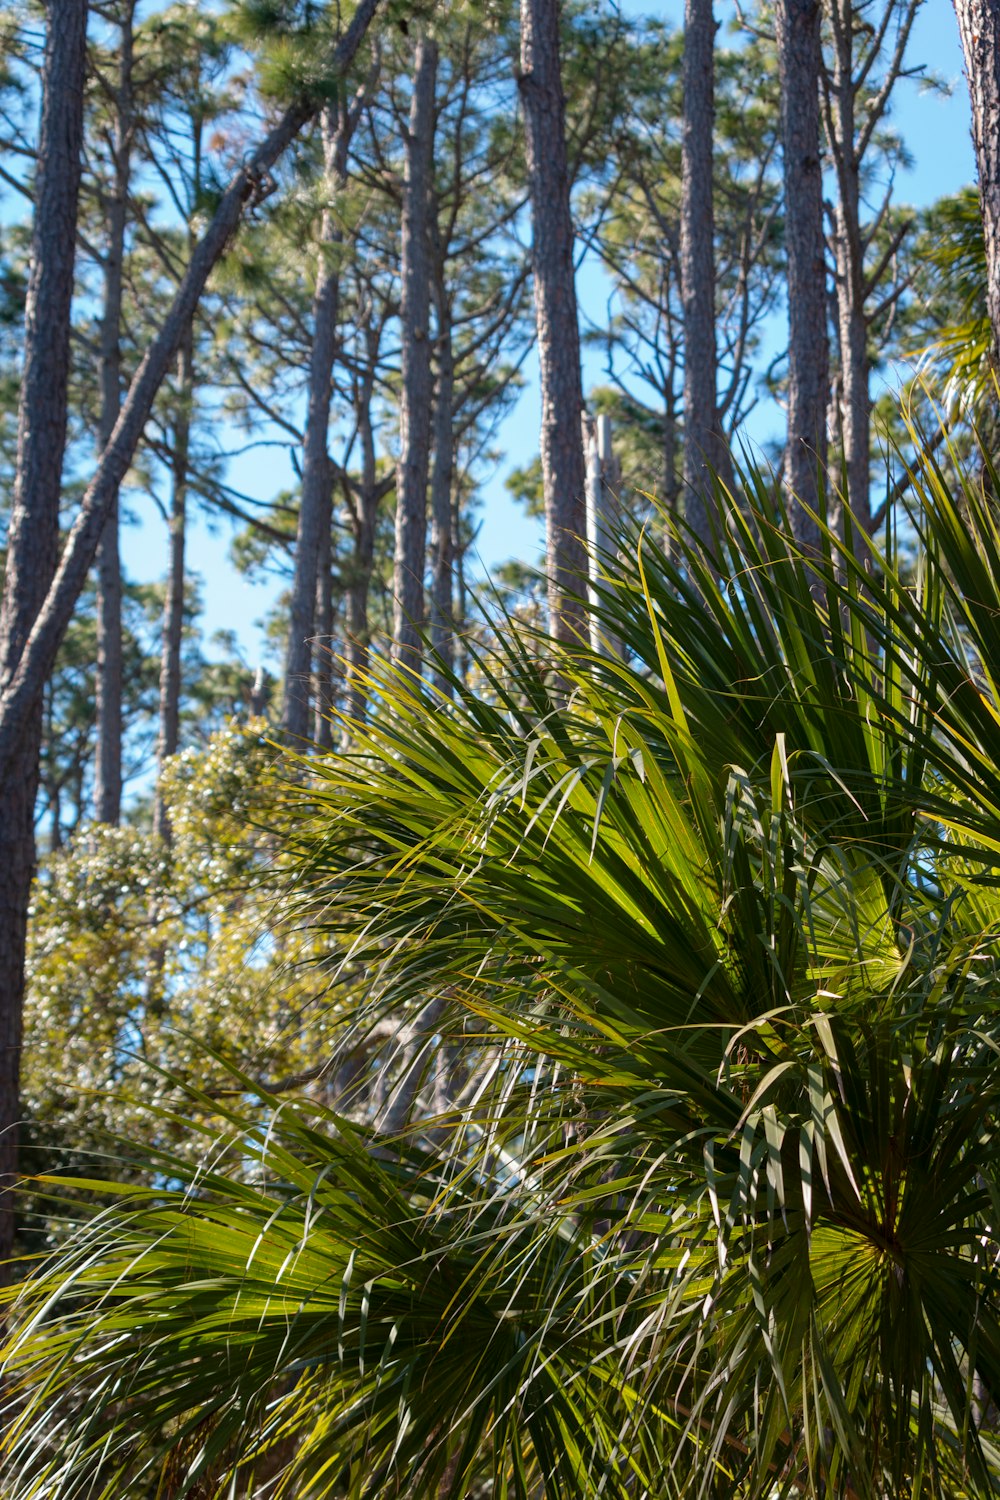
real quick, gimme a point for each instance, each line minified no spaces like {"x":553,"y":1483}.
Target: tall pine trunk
{"x":173,"y":605}
{"x":563,"y":467}
{"x":798,"y":30}
{"x":852,"y":323}
{"x":357,"y":630}
{"x":417,"y":379}
{"x":979,"y":26}
{"x":364,"y":501}
{"x":460,"y":543}
{"x":705,"y":453}
{"x":855,"y":374}
{"x":108,"y":759}
{"x":313,"y":537}
{"x":323,"y":692}
{"x":33,"y":533}
{"x":442,"y":481}
{"x":671,"y":485}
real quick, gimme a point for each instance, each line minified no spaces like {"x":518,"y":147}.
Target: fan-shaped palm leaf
{"x":718,"y":1216}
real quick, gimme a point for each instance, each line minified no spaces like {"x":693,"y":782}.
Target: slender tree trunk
{"x":979,"y":26}
{"x":852,"y":324}
{"x":603,"y":491}
{"x":417,"y":1056}
{"x":417,"y":380}
{"x":249,"y":183}
{"x":461,"y":591}
{"x":671,"y":493}
{"x":108,"y":756}
{"x":442,"y":479}
{"x":669,"y":435}
{"x":33,"y":533}
{"x":173,"y":604}
{"x":315,"y":507}
{"x":798,"y":29}
{"x":364,"y":509}
{"x":108,"y":760}
{"x":356,"y":626}
{"x":323,"y":649}
{"x":50,"y":781}
{"x":260,"y":692}
{"x":834,"y":396}
{"x":855,"y":374}
{"x":563,"y":467}
{"x":705,"y":453}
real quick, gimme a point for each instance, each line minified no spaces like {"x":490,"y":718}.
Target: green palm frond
{"x":383,"y":1318}
{"x":953,"y":256}
{"x":709,"y":935}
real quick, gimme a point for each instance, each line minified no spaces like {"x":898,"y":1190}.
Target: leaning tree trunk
{"x":563,"y":468}
{"x":979,"y":25}
{"x":108,"y":758}
{"x":23,"y":687}
{"x":313,"y":537}
{"x":173,"y":605}
{"x":798,"y":29}
{"x":705,"y":454}
{"x":38,"y":597}
{"x":417,"y":381}
{"x":33,"y":532}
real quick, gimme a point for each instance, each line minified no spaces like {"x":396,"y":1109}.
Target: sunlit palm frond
{"x":712,"y":933}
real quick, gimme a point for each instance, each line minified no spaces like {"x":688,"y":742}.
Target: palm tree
{"x":708,"y":938}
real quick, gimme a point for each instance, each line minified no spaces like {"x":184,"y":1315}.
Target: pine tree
{"x":797,"y":24}
{"x":979,"y":27}
{"x":33,"y":533}
{"x":556,"y":319}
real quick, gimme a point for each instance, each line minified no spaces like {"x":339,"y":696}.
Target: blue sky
{"x":936,"y":130}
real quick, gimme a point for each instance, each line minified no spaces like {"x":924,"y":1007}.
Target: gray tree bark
{"x":35,"y":661}
{"x":604,"y":482}
{"x":867,"y":59}
{"x":558,"y":331}
{"x":108,"y":759}
{"x":322,"y":684}
{"x":671,"y":487}
{"x":315,"y":510}
{"x":33,"y":533}
{"x":356,"y":626}
{"x":855,"y":371}
{"x":799,"y":60}
{"x":852,"y":325}
{"x":169,"y":739}
{"x":442,"y":480}
{"x":705,"y":451}
{"x":414,"y":1047}
{"x":417,"y":379}
{"x":363,"y":501}
{"x":979,"y":27}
